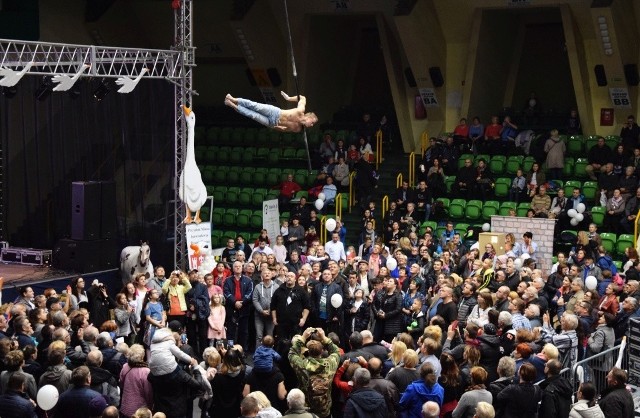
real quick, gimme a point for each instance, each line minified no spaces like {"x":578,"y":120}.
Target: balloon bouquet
{"x":577,"y":215}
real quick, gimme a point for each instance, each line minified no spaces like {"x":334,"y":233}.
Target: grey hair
{"x":136,"y":353}
{"x":506,"y":367}
{"x":295,"y":399}
{"x":485,"y":410}
{"x":535,"y":309}
{"x":366,"y":334}
{"x":361,"y":377}
{"x":632,"y":301}
{"x":570,"y":320}
{"x":90,"y":334}
{"x":505,"y":318}
{"x":430,"y":409}
{"x":103,"y":339}
{"x":578,"y":281}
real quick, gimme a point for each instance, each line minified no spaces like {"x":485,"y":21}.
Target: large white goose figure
{"x":192,"y":190}
{"x":11,"y":77}
{"x":128,"y":83}
{"x":65,"y":82}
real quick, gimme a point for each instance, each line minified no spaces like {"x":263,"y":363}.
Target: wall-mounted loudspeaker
{"x":411,"y":80}
{"x":252,"y":80}
{"x":631,"y":74}
{"x":436,"y":76}
{"x":601,"y":76}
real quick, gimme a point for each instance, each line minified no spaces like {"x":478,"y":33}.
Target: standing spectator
{"x":364,"y":402}
{"x":586,"y":405}
{"x":476,"y":392}
{"x":421,"y":391}
{"x":289,"y":307}
{"x":465,"y":182}
{"x":297,"y":405}
{"x":629,"y":134}
{"x":198,"y":313}
{"x":80,"y":401}
{"x":227,"y":385}
{"x":602,"y":339}
{"x":520,"y":400}
{"x":385,"y":387}
{"x":262,"y":296}
{"x":390,"y":313}
{"x":136,"y":388}
{"x":327,"y":148}
{"x":566,"y":341}
{"x":15,"y":403}
{"x":616,"y":401}
{"x":557,"y":392}
{"x":288,"y":189}
{"x":598,"y":157}
{"x":238,"y":292}
{"x":174,"y":289}
{"x":555,"y":149}
{"x":315,"y":372}
{"x":335,"y":248}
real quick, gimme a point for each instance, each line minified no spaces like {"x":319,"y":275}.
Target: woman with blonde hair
{"x":266,"y":409}
{"x":136,"y":390}
{"x":398,"y":349}
{"x":404,"y":373}
{"x":175,"y":288}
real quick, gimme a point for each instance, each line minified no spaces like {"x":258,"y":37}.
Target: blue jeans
{"x":264,"y":114}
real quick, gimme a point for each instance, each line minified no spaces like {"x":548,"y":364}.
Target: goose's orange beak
{"x":187,"y":110}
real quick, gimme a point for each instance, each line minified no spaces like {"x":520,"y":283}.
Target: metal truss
{"x":183,"y":18}
{"x":107,"y":62}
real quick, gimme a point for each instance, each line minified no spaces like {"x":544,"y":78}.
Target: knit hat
{"x":490,"y":329}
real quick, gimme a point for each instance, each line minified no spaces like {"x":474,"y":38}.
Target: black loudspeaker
{"x":436,"y":76}
{"x":252,"y":80}
{"x":411,"y":80}
{"x":86,"y":256}
{"x":631,"y":74}
{"x":601,"y":76}
{"x":85,"y":210}
{"x":108,"y":228}
{"x":274,"y":77}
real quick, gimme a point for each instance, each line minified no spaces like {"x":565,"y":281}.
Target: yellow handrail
{"x":385,"y":205}
{"x":323,"y":230}
{"x":352,"y":197}
{"x":412,"y":169}
{"x":635,"y":231}
{"x":424,"y":141}
{"x":339,"y":206}
{"x":378,"y":148}
{"x":399,"y":180}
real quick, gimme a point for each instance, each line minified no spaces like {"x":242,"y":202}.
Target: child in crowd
{"x":265,"y":355}
{"x":216,"y":319}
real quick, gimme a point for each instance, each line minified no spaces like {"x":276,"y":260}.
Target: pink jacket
{"x":216,"y":320}
{"x":136,"y":389}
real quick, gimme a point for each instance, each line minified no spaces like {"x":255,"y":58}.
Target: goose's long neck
{"x":191,"y":153}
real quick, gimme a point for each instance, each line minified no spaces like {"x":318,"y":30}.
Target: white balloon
{"x":591,"y":282}
{"x":336,"y":301}
{"x":330,"y":224}
{"x":47,"y":397}
{"x":321,"y":196}
{"x":581,"y":207}
{"x":517,"y":263}
{"x":574,"y":222}
{"x":319,"y":204}
{"x":572,"y":213}
{"x":579,"y":217}
{"x":391,"y":263}
{"x":486,"y":227}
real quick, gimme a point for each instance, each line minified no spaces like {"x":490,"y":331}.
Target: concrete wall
{"x":542,"y":230}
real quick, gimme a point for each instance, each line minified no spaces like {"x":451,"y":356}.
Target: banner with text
{"x":428,"y":96}
{"x":271,"y":219}
{"x":620,"y":97}
{"x":198,"y":243}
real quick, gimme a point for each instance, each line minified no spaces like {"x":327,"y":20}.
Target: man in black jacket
{"x":15,"y":402}
{"x":197,"y":313}
{"x":364,"y":402}
{"x":616,"y":401}
{"x":556,"y":398}
{"x":383,"y":386}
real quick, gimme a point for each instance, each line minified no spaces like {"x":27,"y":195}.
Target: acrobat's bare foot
{"x":231,"y":102}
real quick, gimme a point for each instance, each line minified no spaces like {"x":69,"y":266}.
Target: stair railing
{"x":378,"y":148}
{"x":412,"y":169}
{"x":385,"y":205}
{"x":399,"y":180}
{"x":352,"y":196}
{"x":339,"y":206}
{"x":424,"y":142}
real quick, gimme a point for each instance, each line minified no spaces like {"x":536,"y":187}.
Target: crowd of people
{"x":425,"y":328}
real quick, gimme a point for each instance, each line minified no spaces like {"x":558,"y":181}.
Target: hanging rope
{"x":295,"y":78}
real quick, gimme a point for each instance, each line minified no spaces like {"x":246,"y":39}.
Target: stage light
{"x":9,"y":92}
{"x":103,"y":89}
{"x":44,"y":90}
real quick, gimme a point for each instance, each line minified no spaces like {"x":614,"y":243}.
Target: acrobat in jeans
{"x":288,"y":120}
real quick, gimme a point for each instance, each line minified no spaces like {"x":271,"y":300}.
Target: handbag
{"x":148,"y":334}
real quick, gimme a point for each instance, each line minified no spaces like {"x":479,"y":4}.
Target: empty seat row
{"x":250,"y":176}
{"x":240,"y":197}
{"x":248,"y":155}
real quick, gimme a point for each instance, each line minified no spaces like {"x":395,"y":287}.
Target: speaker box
{"x":274,"y":77}
{"x":108,"y":228}
{"x":411,"y":80}
{"x":601,"y":76}
{"x":631,"y":74}
{"x":86,"y":256}
{"x":436,"y":76}
{"x":85,"y":210}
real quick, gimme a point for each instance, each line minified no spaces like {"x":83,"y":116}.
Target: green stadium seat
{"x":609,"y":241}
{"x":590,"y":142}
{"x":216,"y":216}
{"x":624,"y":241}
{"x":244,"y":218}
{"x":212,"y":134}
{"x":225,"y":135}
{"x":618,"y":264}
{"x":250,"y":136}
{"x":208,"y":175}
{"x":490,"y":208}
{"x":247,"y":175}
{"x":597,"y":214}
{"x":485,"y":157}
{"x":289,"y":154}
{"x":575,"y":145}
{"x":236,"y":155}
{"x":301,"y":154}
{"x":231,"y":196}
{"x":505,"y":207}
{"x":259,"y":177}
{"x":527,"y":163}
{"x":590,"y":190}
{"x":449,"y":181}
{"x":498,"y":164}
{"x":612,"y":141}
{"x":473,"y":211}
{"x":227,"y":234}
{"x":445,"y":202}
{"x":273,"y":177}
{"x":461,"y":228}
{"x":569,"y":185}
{"x":220,"y":175}
{"x":258,"y":197}
{"x":275,"y":138}
{"x":245,"y":197}
{"x":502,"y":186}
{"x":523,"y":208}
{"x":216,"y":239}
{"x":210,"y":154}
{"x":425,"y":224}
{"x":224,"y":155}
{"x":273,"y":157}
{"x":256,"y":219}
{"x":262,"y":153}
{"x":219,"y":195}
{"x":229,"y":217}
{"x":514,"y":162}
{"x":457,"y":208}
{"x":233,"y":177}
{"x":237,"y":135}
{"x":579,"y":169}
{"x":567,"y":170}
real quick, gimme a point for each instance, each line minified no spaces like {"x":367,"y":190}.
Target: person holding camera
{"x":314,"y":372}
{"x":99,"y":303}
{"x":629,"y":135}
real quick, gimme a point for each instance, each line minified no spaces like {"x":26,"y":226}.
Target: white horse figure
{"x":135,"y":260}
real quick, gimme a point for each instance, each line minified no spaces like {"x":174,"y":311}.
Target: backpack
{"x":319,"y":391}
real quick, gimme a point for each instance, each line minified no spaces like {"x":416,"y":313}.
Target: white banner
{"x":428,"y":96}
{"x":198,"y":243}
{"x":271,"y":219}
{"x":268,"y":95}
{"x":620,"y":97}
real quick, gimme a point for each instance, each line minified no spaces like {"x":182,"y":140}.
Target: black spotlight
{"x":103,"y":89}
{"x":9,"y":92}
{"x":44,"y":90}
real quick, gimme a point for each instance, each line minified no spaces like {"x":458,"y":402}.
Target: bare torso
{"x":290,"y":120}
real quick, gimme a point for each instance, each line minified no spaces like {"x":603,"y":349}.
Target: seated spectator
{"x":519,"y":188}
{"x":541,"y":203}
{"x":508,"y":134}
{"x":535,"y":178}
{"x":492,"y":137}
{"x":476,"y":133}
{"x":484,"y":180}
{"x":341,"y":173}
{"x":404,"y":195}
{"x":449,"y":157}
{"x":615,"y":212}
{"x":288,"y":190}
{"x":435,"y":179}
{"x":327,"y":148}
{"x":598,"y":157}
{"x":607,"y":183}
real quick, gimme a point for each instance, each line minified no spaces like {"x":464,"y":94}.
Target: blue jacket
{"x":333,"y":289}
{"x":16,"y":405}
{"x":80,"y":403}
{"x":198,"y":296}
{"x":229,"y":290}
{"x":416,"y":394}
